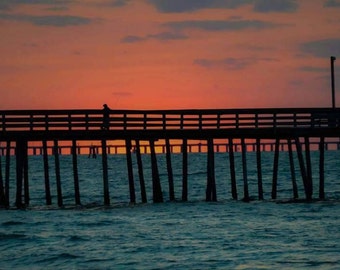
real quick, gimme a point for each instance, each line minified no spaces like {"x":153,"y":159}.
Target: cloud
{"x":180,"y":6}
{"x":118,"y":3}
{"x":220,"y":25}
{"x":11,"y":3}
{"x":332,"y":3}
{"x":132,"y":39}
{"x":57,"y":20}
{"x":313,"y":69}
{"x":171,"y":6}
{"x":230,"y":63}
{"x":322,"y":48}
{"x":275,"y":6}
{"x":163,"y":36}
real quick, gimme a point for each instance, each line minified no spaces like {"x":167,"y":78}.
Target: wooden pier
{"x":48,"y":131}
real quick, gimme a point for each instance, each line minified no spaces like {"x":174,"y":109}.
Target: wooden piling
{"x":130,"y":171}
{"x":322,"y":168}
{"x":2,"y":188}
{"x":184,"y":170}
{"x":169,"y":170}
{"x":20,"y":160}
{"x":156,"y":183}
{"x":232,"y":169}
{"x":259,"y":169}
{"x":303,"y":169}
{"x":57,"y":173}
{"x":140,"y":172}
{"x":46,"y":174}
{"x":75,"y":172}
{"x":309,"y":167}
{"x":25,"y":173}
{"x":275,"y":168}
{"x":211,"y":183}
{"x":105,"y":174}
{"x":292,"y":169}
{"x":244,"y":167}
{"x":7,"y":171}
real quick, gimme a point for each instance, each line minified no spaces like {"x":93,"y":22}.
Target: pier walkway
{"x":295,"y":126}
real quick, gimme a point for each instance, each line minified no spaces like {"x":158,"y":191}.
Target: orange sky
{"x":161,"y":54}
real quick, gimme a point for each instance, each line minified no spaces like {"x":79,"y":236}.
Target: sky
{"x":168,"y":54}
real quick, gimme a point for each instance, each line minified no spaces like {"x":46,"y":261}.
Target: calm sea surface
{"x":227,"y":234}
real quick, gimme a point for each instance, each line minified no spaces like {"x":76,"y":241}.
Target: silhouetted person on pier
{"x":106,"y":117}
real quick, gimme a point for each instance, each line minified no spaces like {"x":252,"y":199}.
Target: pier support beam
{"x":244,"y":167}
{"x":211,"y":183}
{"x":46,"y":174}
{"x":130,"y":171}
{"x":21,"y":171}
{"x":57,"y":173}
{"x":292,"y":169}
{"x":275,"y":168}
{"x":156,"y":183}
{"x":7,"y":171}
{"x":105,"y":174}
{"x":322,"y":168}
{"x":2,"y":188}
{"x":169,"y":169}
{"x":309,"y":168}
{"x":259,"y":169}
{"x":75,"y":172}
{"x":140,"y":172}
{"x":185,"y":170}
{"x":232,"y":169}
{"x":305,"y":179}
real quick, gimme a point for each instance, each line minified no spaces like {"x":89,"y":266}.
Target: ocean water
{"x":227,"y":234}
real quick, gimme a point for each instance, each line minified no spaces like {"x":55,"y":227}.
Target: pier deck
{"x":19,"y":127}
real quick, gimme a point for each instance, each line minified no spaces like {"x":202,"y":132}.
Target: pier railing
{"x":294,"y":126}
{"x":46,"y":120}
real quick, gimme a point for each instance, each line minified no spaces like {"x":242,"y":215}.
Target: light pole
{"x":333,"y":58}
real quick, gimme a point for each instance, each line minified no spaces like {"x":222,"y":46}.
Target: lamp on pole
{"x":333,"y":58}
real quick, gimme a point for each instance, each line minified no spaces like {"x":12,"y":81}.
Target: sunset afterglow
{"x":162,"y":54}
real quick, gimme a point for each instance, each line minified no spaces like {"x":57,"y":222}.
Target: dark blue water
{"x":174,"y":235}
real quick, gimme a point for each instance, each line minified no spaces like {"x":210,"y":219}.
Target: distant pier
{"x":75,"y":132}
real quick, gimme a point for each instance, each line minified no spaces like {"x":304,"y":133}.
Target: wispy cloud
{"x":332,"y":3}
{"x":230,"y":63}
{"x":222,"y":25}
{"x":163,"y":36}
{"x":322,"y":48}
{"x":275,"y":6}
{"x":179,"y":6}
{"x":55,"y":20}
{"x":167,"y":6}
{"x":313,"y":69}
{"x":8,"y":4}
{"x":118,"y":3}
